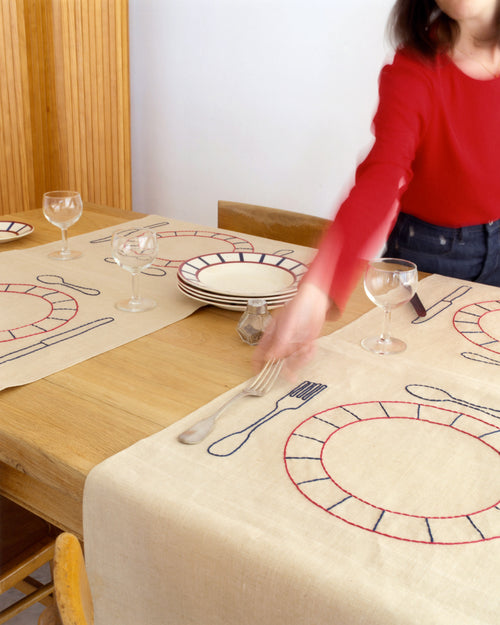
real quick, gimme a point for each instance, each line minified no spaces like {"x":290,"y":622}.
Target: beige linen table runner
{"x":367,"y":492}
{"x":54,"y":314}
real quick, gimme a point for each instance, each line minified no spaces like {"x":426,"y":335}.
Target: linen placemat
{"x":349,"y":497}
{"x":460,"y":332}
{"x":54,"y":314}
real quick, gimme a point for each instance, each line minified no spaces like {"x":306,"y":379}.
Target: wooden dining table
{"x":53,"y":431}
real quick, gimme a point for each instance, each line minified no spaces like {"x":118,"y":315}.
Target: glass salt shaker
{"x":254,"y":321}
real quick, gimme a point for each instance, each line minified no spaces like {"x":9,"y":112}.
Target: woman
{"x":431,"y":179}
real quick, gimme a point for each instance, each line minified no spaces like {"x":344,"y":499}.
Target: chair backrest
{"x":271,"y":223}
{"x":73,"y":597}
{"x":26,"y":543}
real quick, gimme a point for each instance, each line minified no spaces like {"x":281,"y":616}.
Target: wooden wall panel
{"x":64,"y":105}
{"x":16,"y":150}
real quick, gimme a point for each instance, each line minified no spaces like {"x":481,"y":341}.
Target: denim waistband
{"x":490,"y":227}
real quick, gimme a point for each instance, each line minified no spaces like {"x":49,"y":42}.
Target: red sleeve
{"x":367,"y":216}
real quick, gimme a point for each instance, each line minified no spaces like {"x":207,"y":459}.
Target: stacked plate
{"x":229,"y":280}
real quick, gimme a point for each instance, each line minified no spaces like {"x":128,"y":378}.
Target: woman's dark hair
{"x":421,"y":25}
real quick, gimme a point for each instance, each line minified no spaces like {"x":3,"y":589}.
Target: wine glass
{"x":389,"y":283}
{"x":134,"y":250}
{"x":63,"y":209}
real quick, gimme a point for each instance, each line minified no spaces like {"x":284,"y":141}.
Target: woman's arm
{"x":363,"y":221}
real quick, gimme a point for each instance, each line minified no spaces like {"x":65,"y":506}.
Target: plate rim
{"x":226,"y":305}
{"x":18,"y":235}
{"x":233,"y":298}
{"x":192,"y":279}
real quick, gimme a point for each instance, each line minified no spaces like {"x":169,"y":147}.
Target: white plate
{"x":230,"y":299}
{"x":248,"y":274}
{"x":227,"y":305}
{"x":10,"y":230}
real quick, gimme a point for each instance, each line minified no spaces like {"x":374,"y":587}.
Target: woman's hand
{"x":294,"y":328}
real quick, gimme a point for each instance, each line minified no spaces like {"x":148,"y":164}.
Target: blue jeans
{"x":468,"y":253}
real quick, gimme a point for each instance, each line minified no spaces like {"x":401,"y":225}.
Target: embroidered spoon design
{"x":53,"y":279}
{"x":432,"y":393}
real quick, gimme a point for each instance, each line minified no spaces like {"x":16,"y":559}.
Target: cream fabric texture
{"x":371,"y":498}
{"x":54,"y":314}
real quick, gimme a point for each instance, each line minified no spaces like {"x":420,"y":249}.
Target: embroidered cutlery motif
{"x":442,"y":304}
{"x":293,"y":400}
{"x":432,"y":393}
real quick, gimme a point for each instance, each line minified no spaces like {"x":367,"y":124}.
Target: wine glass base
{"x":68,"y":255}
{"x":384,"y":347}
{"x":140,"y":305}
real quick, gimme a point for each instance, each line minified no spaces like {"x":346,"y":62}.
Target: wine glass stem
{"x":385,"y":336}
{"x":64,"y":233}
{"x":135,"y":287}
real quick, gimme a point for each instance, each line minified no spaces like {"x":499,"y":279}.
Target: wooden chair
{"x":72,"y":590}
{"x":272,"y":223}
{"x":26,"y":543}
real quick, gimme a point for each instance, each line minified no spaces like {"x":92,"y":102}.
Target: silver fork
{"x":295,"y":399}
{"x":257,"y":387}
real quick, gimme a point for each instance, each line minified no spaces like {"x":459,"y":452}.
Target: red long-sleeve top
{"x":436,"y":156}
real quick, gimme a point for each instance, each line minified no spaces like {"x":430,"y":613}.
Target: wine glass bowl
{"x":389,"y":283}
{"x":63,"y":209}
{"x":135,"y":250}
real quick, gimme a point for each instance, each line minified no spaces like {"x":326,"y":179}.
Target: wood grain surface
{"x":53,"y":431}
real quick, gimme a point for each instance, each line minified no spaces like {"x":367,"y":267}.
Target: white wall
{"x":260,"y":101}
